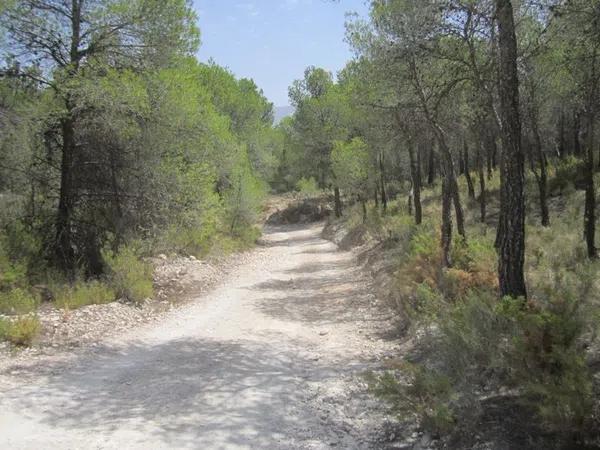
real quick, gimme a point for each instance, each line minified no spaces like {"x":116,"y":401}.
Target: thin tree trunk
{"x":480,"y":172}
{"x":382,"y":183}
{"x":561,"y":134}
{"x":415,"y":173}
{"x":465,"y":158}
{"x":590,"y":192}
{"x":511,"y":236}
{"x":494,"y":153}
{"x":446,"y":230}
{"x":364,"y":209}
{"x":542,"y":176}
{"x":337,"y":202}
{"x":576,"y":131}
{"x":489,"y":151}
{"x":63,"y":250}
{"x":452,"y":186}
{"x":431,"y":165}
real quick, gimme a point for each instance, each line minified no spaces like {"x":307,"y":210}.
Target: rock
{"x":162,"y":256}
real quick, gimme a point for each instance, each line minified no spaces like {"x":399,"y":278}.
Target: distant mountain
{"x":282,"y":112}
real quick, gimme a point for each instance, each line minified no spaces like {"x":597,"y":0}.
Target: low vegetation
{"x":472,"y":351}
{"x":21,"y":331}
{"x":122,"y":148}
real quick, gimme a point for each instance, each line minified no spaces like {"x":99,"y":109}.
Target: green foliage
{"x":546,"y":356}
{"x":21,"y":331}
{"x":307,"y":187}
{"x":130,"y":277}
{"x":17,"y":301}
{"x":243,"y":198}
{"x":422,"y":392}
{"x":350,"y":164}
{"x":82,"y":294}
{"x":566,"y":173}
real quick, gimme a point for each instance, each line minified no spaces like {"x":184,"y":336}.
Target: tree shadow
{"x":188,"y":393}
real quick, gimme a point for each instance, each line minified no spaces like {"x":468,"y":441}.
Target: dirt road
{"x":271,"y":358}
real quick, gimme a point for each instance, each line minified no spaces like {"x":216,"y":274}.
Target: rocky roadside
{"x":177,"y":280}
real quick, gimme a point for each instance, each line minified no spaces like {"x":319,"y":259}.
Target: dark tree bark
{"x":337,"y":202}
{"x":446,"y":230}
{"x":415,"y":174}
{"x":489,"y":151}
{"x":576,"y":131}
{"x":480,"y":173}
{"x":561,"y":134}
{"x":382,"y":182}
{"x":431,"y":165}
{"x":511,"y":236}
{"x":465,"y":158}
{"x":589,"y":223}
{"x":63,"y":247}
{"x":541,"y":178}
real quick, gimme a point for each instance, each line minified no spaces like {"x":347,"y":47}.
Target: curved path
{"x":271,"y":358}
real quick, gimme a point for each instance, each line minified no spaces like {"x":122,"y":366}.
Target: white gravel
{"x":271,"y":358}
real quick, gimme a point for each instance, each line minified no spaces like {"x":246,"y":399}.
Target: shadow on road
{"x":192,"y":393}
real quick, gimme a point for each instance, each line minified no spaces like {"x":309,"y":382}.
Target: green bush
{"x":243,"y":199}
{"x":11,"y":273}
{"x":565,"y":174}
{"x":422,"y":392}
{"x":546,"y":357}
{"x":130,"y":277}
{"x":307,"y":187}
{"x":83,"y":294}
{"x":20,"y":332}
{"x":17,"y":301}
{"x":195,"y":241}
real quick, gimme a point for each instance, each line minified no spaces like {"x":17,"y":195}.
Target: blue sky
{"x":273,"y":41}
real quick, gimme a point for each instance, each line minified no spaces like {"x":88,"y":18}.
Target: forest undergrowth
{"x":480,"y":368}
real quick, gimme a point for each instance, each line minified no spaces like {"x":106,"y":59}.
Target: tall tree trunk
{"x":590,"y":191}
{"x":63,"y":247}
{"x":576,"y":131}
{"x":450,"y":173}
{"x":541,"y":177}
{"x":511,"y":236}
{"x":363,"y":202}
{"x":561,"y":134}
{"x":382,"y":182}
{"x":494,"y":153}
{"x":480,"y":172}
{"x":415,"y":174}
{"x":465,"y":159}
{"x":446,"y":229}
{"x":461,"y":163}
{"x":489,"y":151}
{"x":337,"y":202}
{"x":431,"y":165}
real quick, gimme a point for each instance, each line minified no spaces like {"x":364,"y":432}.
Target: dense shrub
{"x":21,"y":331}
{"x":307,"y":187}
{"x":17,"y":301}
{"x":82,"y":294}
{"x":130,"y":277}
{"x":474,"y":348}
